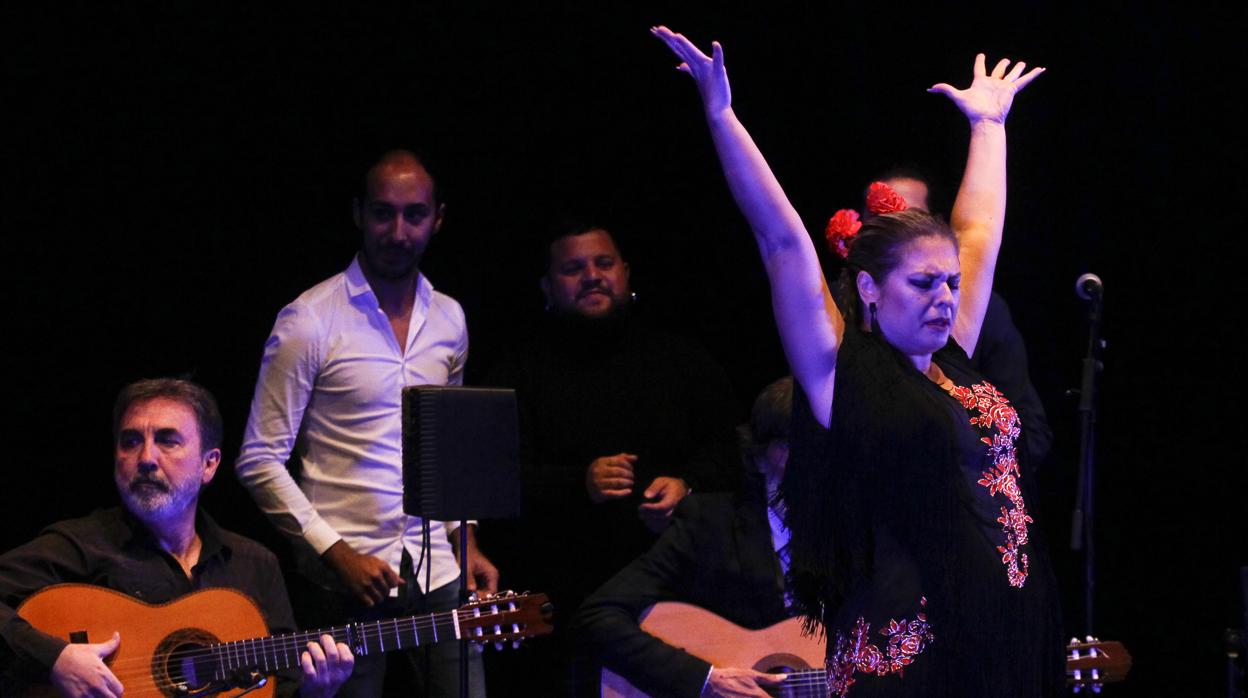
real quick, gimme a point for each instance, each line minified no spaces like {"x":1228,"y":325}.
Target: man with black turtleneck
{"x":619,"y":421}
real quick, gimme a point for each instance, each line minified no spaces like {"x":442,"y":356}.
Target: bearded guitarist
{"x":155,"y":548}
{"x":724,"y":553}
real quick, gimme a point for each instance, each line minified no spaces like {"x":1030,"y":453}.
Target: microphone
{"x":1089,"y":287}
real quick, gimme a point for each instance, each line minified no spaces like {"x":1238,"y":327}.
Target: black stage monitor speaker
{"x":461,"y":453}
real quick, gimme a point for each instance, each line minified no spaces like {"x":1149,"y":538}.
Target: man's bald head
{"x":391,"y":161}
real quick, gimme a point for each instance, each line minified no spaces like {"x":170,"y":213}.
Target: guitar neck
{"x":278,"y":652}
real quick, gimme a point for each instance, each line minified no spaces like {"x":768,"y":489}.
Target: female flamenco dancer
{"x":911,"y":545}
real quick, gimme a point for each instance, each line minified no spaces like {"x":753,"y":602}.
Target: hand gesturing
{"x":662,"y":496}
{"x":990,"y":95}
{"x":707,"y":71}
{"x":610,"y":477}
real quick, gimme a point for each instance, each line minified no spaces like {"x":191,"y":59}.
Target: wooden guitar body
{"x":153,"y":637}
{"x":781,"y":647}
{"x":209,"y":641}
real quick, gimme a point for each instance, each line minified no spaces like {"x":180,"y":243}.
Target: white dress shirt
{"x":330,"y":388}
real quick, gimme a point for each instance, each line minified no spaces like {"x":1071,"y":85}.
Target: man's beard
{"x":401,"y":262}
{"x":149,"y":498}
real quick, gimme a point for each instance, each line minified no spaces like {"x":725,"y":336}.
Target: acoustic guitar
{"x":784,"y":649}
{"x":215,"y":640}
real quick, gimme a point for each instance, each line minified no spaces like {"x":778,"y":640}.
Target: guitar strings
{"x":278,"y":649}
{"x":258,"y":651}
{"x":399,"y":626}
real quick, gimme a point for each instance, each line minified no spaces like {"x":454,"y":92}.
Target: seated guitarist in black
{"x":724,"y":553}
{"x":158,"y":547}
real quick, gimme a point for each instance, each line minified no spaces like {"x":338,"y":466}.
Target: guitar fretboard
{"x":270,"y":654}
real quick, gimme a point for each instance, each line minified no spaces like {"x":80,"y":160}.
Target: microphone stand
{"x":464,"y":645}
{"x":1081,"y":525}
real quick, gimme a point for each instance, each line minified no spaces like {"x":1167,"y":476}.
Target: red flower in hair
{"x":842,"y":227}
{"x":882,"y":199}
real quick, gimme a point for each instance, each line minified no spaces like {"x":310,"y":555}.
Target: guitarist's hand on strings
{"x":369,"y":579}
{"x":326,"y":666}
{"x":79,"y":670}
{"x":731,"y":682}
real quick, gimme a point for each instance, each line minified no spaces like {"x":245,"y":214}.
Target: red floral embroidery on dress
{"x":995,"y":411}
{"x":856,"y":654}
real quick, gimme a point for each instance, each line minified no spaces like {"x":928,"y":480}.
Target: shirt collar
{"x":357,"y":285}
{"x":211,"y":542}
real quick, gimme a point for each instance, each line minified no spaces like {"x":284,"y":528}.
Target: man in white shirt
{"x":330,"y":390}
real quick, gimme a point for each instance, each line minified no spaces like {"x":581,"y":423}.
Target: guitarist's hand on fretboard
{"x":79,"y":670}
{"x":731,"y":682}
{"x":326,"y":666}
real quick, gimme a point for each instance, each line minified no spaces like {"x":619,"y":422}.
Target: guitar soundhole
{"x":784,"y":663}
{"x":781,"y":662}
{"x":180,"y":664}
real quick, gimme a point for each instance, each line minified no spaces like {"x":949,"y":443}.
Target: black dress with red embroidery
{"x":913,"y":543}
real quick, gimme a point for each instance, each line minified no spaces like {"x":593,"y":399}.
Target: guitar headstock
{"x":506,"y":617}
{"x":1092,"y":663}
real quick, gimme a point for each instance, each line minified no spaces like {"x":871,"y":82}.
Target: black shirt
{"x":112,"y":549}
{"x":590,"y":389}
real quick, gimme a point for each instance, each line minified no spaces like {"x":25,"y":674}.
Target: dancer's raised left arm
{"x":979,"y":210}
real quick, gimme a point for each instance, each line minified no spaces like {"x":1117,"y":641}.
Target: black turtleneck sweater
{"x":587,"y":389}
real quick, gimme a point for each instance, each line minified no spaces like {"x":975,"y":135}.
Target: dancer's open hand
{"x":990,"y":95}
{"x":707,"y":71}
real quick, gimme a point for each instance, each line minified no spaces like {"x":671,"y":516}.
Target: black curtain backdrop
{"x":176,"y":174}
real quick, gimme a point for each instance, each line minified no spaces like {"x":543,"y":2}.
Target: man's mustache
{"x":140,"y":481}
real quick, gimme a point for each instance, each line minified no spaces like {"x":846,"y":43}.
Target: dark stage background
{"x":173,"y":176}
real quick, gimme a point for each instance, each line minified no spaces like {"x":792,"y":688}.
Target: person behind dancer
{"x":1000,"y":355}
{"x":910,"y":539}
{"x":618,"y":421}
{"x":724,"y":552}
{"x":330,"y":390}
{"x":159,"y":545}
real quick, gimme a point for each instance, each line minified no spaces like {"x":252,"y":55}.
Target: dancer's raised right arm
{"x":810,"y":324}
